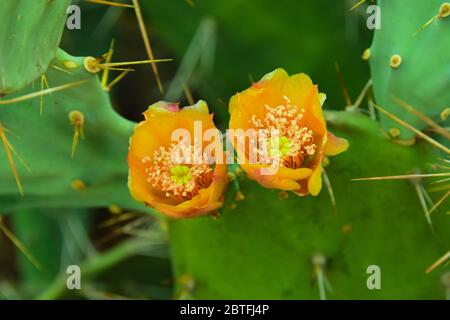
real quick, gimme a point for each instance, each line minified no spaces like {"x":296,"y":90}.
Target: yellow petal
{"x":161,"y":120}
{"x":335,"y":145}
{"x":294,"y":174}
{"x":315,"y":181}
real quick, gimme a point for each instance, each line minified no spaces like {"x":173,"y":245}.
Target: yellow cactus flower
{"x":291,"y":106}
{"x":159,"y":177}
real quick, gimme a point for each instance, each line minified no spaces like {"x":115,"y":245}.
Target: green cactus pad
{"x":263,"y":247}
{"x":29,"y":37}
{"x":44,"y":142}
{"x":422,"y":78}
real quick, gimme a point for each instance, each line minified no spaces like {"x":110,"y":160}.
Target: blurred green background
{"x":219,"y":47}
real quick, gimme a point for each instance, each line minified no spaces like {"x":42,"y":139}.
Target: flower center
{"x":281,"y":138}
{"x":180,"y":174}
{"x":176,"y":176}
{"x":279,"y":147}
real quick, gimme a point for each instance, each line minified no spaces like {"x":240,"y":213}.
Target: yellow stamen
{"x":284,"y":146}
{"x":176,"y":176}
{"x":281,"y":125}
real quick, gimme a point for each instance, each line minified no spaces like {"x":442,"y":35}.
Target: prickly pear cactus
{"x":36,"y":28}
{"x":69,"y":150}
{"x":379,"y":223}
{"x":97,"y":173}
{"x":409,"y":61}
{"x":266,"y":246}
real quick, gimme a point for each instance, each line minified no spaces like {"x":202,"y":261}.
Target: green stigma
{"x":180,"y":174}
{"x":283,"y":148}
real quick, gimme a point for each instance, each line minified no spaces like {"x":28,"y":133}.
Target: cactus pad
{"x":29,"y":37}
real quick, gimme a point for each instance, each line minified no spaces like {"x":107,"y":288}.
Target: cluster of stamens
{"x":179,"y":171}
{"x":281,"y":139}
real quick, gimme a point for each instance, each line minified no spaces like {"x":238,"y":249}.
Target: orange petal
{"x":283,"y":179}
{"x":335,"y":145}
{"x":303,"y":93}
{"x":207,"y":200}
{"x":315,"y":180}
{"x":294,"y":174}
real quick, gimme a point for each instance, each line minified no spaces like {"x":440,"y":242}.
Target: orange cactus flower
{"x":290,"y":106}
{"x":160,"y":177}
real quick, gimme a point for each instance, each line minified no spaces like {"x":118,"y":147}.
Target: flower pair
{"x":284,"y":111}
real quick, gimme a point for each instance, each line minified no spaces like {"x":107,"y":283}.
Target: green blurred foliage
{"x":243,"y":39}
{"x":252,"y":38}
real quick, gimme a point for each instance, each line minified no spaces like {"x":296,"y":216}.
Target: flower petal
{"x":315,"y":179}
{"x":335,"y":145}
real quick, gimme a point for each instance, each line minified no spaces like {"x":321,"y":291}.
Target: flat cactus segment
{"x":264,"y":246}
{"x":411,"y":63}
{"x":97,"y":174}
{"x":36,"y":28}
